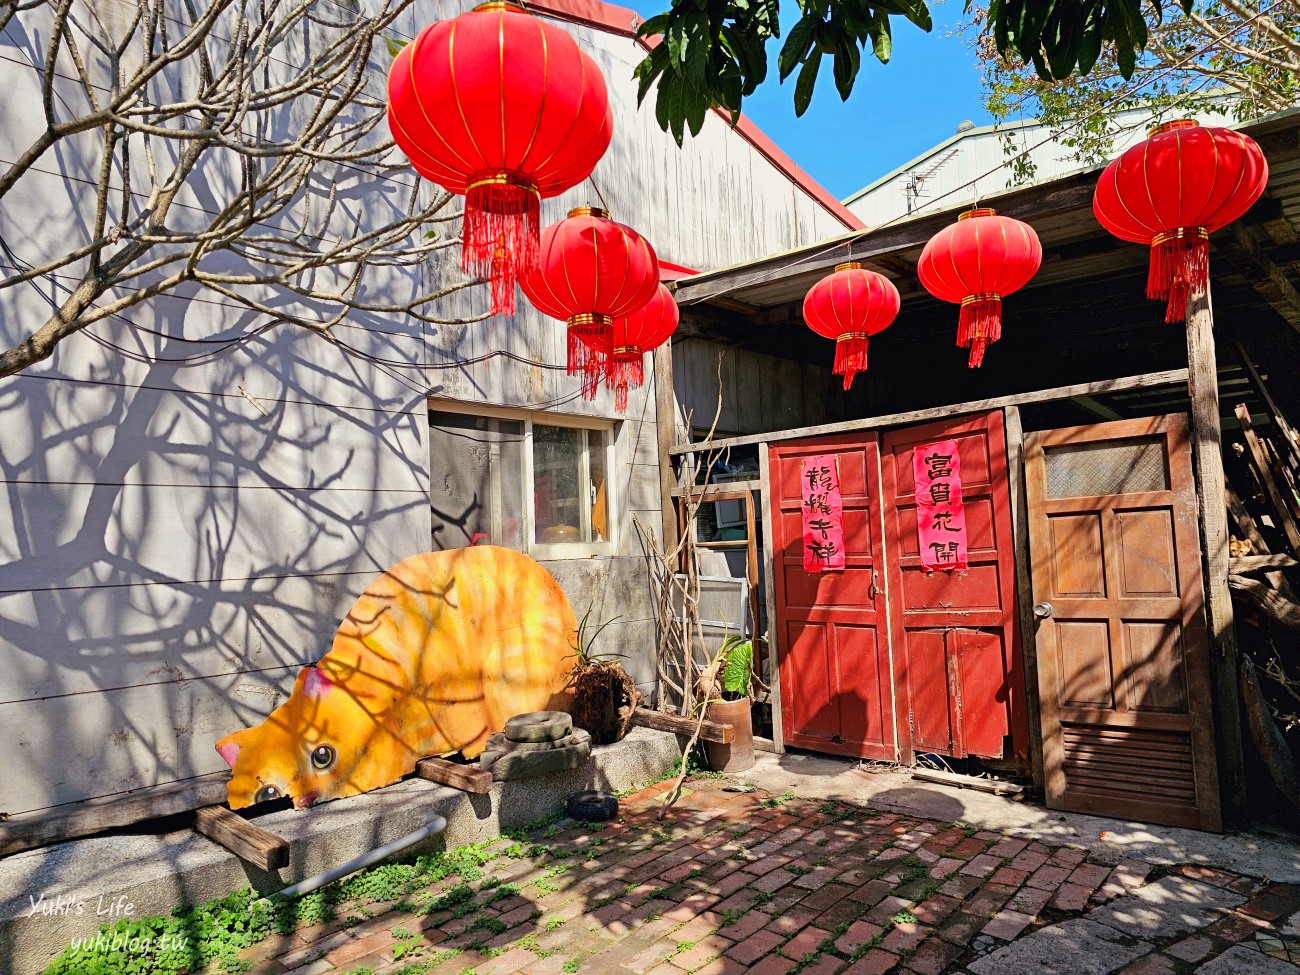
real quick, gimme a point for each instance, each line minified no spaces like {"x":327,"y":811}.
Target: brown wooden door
{"x":1123,"y":658}
{"x":833,"y":650}
{"x":956,"y":655}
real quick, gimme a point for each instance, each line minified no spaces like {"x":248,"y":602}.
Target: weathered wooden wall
{"x":760,"y":393}
{"x":184,"y":524}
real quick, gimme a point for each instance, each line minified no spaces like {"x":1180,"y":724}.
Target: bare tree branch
{"x":270,"y":114}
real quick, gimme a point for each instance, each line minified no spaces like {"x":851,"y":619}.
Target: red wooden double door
{"x":884,"y":660}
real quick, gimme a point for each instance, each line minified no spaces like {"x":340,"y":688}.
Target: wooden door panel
{"x":1124,"y":655}
{"x":833,"y":658}
{"x":980,"y":704}
{"x":928,"y":691}
{"x":958,"y":695}
{"x":1153,"y":662}
{"x":1148,"y":565}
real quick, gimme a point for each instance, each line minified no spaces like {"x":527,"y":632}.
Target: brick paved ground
{"x":732,"y":883}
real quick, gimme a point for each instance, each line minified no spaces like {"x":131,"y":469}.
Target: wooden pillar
{"x":770,"y":569}
{"x":1207,"y":456}
{"x":666,"y":430}
{"x":1024,"y":588}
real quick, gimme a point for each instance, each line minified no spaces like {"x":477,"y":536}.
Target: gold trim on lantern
{"x":627,"y":350}
{"x":985,"y":296}
{"x":849,"y":266}
{"x":504,"y":179}
{"x":499,"y":5}
{"x":1182,"y":123}
{"x":1182,"y":233}
{"x":849,"y":336}
{"x":978,"y":212}
{"x":603,"y":214}
{"x":590,"y":318}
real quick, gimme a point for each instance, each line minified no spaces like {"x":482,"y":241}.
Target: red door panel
{"x":833,"y":651}
{"x":954,"y":634}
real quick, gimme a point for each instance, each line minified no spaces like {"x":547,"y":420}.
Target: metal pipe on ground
{"x":436,"y":824}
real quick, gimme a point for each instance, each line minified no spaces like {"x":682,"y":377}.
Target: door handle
{"x":1042,"y":610}
{"x":871,"y":590}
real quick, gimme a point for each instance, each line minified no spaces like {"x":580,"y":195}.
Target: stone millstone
{"x":537,"y":726}
{"x":522,"y":765}
{"x":500,"y":743}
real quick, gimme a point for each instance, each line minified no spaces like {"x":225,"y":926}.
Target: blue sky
{"x":897,"y":110}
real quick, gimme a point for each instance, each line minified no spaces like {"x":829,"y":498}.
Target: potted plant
{"x":729,"y":680}
{"x":604,"y":695}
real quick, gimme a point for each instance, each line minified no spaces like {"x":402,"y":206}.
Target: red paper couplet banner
{"x":823,"y":514}
{"x":940,"y":514}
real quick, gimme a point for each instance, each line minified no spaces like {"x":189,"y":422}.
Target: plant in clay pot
{"x":604,"y":696}
{"x":726,"y":684}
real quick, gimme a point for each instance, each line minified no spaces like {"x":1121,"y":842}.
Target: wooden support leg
{"x":1207,"y":456}
{"x":246,"y":841}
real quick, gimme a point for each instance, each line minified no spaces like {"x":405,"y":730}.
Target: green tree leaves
{"x":713,"y":53}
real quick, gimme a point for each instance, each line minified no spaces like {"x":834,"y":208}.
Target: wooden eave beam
{"x":1074,"y":193}
{"x":1269,"y":280}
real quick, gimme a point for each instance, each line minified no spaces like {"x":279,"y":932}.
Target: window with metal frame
{"x":534,"y":482}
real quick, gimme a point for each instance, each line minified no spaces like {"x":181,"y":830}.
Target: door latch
{"x":871,"y":590}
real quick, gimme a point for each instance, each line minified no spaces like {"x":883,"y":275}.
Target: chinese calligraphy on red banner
{"x":823,"y":515}
{"x":940,"y":514}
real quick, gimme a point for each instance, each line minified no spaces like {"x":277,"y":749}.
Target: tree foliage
{"x":225,"y":149}
{"x":713,"y":53}
{"x":1225,"y":56}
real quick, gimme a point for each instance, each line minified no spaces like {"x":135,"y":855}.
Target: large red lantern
{"x":975,"y":262}
{"x":591,"y":271}
{"x":1174,"y":190}
{"x":850,"y":305}
{"x":634,"y":336}
{"x":506,"y":109}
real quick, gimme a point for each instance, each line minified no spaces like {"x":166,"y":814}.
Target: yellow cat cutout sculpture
{"x":432,"y":659}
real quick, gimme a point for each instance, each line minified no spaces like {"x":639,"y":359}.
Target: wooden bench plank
{"x":242,"y":838}
{"x":30,"y":830}
{"x":464,"y":777}
{"x":723,"y":734}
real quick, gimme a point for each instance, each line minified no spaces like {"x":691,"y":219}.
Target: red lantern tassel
{"x":850,"y":356}
{"x":500,"y":235}
{"x":625,"y":372}
{"x":1180,"y":265}
{"x":979,"y":326}
{"x":591,"y":347}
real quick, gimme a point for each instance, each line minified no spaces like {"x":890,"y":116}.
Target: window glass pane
{"x":1111,"y":467}
{"x":558,"y":506}
{"x":476,"y":466}
{"x":599,"y":486}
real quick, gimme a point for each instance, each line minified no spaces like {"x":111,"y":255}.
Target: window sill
{"x":571,"y":550}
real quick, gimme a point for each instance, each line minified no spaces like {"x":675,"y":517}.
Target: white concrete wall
{"x":178,"y":537}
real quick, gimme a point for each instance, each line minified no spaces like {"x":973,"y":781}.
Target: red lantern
{"x":849,"y":306}
{"x":1174,"y":190}
{"x":506,"y":109}
{"x":591,"y":271}
{"x":975,"y":262}
{"x":634,"y":336}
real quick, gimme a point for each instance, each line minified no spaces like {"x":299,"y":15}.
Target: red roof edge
{"x":674,"y":272}
{"x":621,"y":20}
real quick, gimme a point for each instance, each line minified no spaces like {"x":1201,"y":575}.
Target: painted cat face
{"x":311,"y":748}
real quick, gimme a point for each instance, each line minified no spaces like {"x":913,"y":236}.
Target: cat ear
{"x":228,"y":748}
{"x":315,"y":684}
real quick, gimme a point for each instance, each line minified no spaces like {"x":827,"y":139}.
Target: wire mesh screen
{"x":1110,"y":467}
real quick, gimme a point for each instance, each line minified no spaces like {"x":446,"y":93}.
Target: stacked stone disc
{"x":534,"y":744}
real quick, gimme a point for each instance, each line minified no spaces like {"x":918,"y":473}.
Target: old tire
{"x":593,"y":806}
